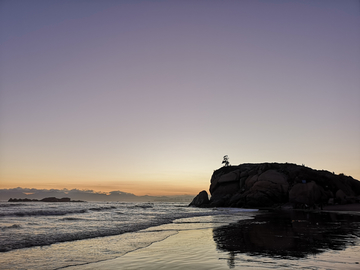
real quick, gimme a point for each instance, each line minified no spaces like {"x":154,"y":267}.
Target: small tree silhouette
{"x":226,"y":161}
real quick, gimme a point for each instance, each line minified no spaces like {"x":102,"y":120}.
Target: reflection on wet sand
{"x":288,"y":235}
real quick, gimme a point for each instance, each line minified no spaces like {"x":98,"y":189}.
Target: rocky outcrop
{"x":201,"y":200}
{"x":48,"y":199}
{"x":272,"y":184}
{"x":53,"y":199}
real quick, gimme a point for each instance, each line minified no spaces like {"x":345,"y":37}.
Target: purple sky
{"x":148,"y":96}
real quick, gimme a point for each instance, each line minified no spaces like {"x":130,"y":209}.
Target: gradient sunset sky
{"x":148,"y":96}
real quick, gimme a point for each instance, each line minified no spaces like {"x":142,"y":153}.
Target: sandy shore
{"x":203,"y":249}
{"x":191,"y":249}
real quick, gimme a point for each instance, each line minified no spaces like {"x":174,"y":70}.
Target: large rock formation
{"x":271,"y":184}
{"x":201,"y":200}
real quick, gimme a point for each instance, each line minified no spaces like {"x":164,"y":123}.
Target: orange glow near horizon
{"x":137,"y":187}
{"x":140,"y":184}
{"x":190,"y":185}
{"x":154,"y":191}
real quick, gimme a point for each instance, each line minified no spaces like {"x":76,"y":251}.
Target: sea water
{"x":43,"y":235}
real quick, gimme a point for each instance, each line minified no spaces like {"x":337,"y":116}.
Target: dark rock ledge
{"x":269,"y":185}
{"x":48,"y":199}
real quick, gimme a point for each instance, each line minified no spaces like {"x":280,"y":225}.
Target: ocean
{"x":116,"y":235}
{"x":43,"y":235}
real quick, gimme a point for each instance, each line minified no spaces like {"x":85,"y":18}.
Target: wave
{"x":144,"y":205}
{"x":43,"y":213}
{"x":41,"y":240}
{"x":90,"y":232}
{"x":125,"y":219}
{"x":11,"y":204}
{"x":72,"y":218}
{"x":102,"y":208}
{"x":14,"y":226}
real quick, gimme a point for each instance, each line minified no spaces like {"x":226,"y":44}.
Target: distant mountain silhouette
{"x":86,"y":195}
{"x":48,"y":199}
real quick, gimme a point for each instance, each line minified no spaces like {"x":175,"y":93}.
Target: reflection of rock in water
{"x":289,"y":234}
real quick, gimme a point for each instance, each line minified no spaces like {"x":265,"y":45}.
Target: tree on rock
{"x":226,"y":161}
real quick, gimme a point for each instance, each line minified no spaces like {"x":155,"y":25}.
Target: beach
{"x":190,"y":249}
{"x":39,"y":235}
{"x":195,"y":250}
{"x":171,"y":236}
{"x":314,"y":241}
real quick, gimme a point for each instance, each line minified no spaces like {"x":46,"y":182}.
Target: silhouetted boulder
{"x":201,"y":200}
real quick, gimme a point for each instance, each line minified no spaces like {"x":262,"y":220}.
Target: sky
{"x":147,"y":97}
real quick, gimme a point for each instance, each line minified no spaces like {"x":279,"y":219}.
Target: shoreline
{"x":188,"y":249}
{"x":230,"y":238}
{"x":354,"y":207}
{"x":259,"y":243}
{"x":351,"y":208}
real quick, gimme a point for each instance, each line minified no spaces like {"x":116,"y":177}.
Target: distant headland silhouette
{"x":48,"y":199}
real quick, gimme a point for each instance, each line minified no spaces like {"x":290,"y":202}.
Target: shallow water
{"x":301,"y":240}
{"x":30,"y":224}
{"x":289,"y":235}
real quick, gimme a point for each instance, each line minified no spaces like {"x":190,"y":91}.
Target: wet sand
{"x":355,"y":207}
{"x":270,"y":241}
{"x":193,"y":249}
